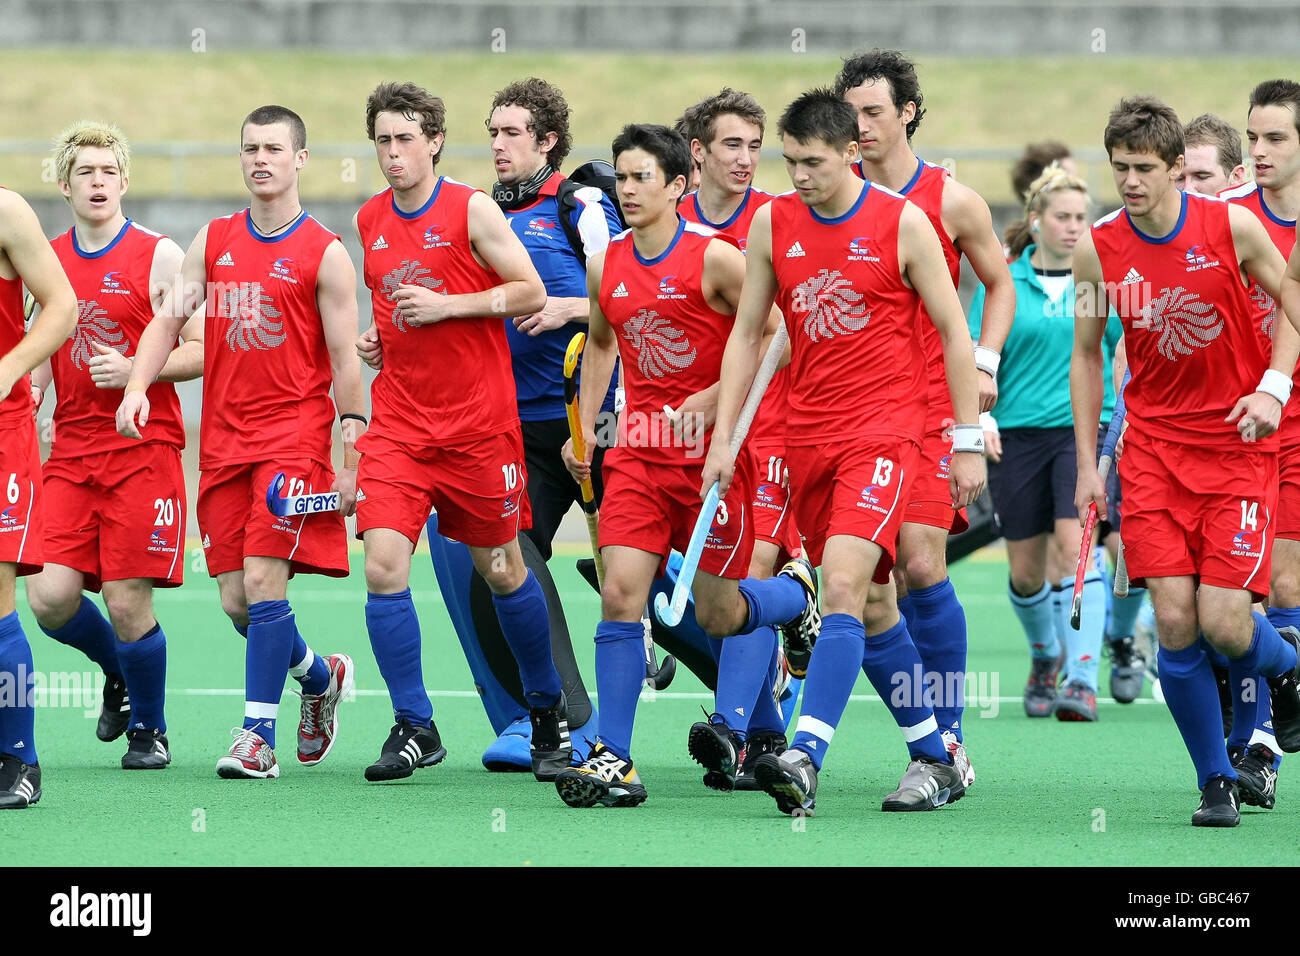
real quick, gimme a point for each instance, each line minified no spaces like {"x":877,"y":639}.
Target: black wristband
{"x":346,"y":415}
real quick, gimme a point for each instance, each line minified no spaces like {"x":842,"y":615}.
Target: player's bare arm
{"x":183,"y":301}
{"x":1289,"y":299}
{"x":336,"y":299}
{"x":497,"y":248}
{"x":970,"y":223}
{"x":598,"y":357}
{"x":369,"y":348}
{"x":558,"y":312}
{"x":25,"y":251}
{"x":1087,"y":385}
{"x":922,"y":265}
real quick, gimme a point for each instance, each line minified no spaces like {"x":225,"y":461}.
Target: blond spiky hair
{"x":86,"y":133}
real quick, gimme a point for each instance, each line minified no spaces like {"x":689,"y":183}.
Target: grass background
{"x":1042,"y":790}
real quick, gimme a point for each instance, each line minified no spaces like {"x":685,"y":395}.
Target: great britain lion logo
{"x":1184,"y":322}
{"x":830,"y":306}
{"x":660,"y":349}
{"x":255,"y":322}
{"x":94,"y":325}
{"x":410,"y":272}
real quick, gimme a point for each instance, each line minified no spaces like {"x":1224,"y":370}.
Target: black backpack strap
{"x":566,"y":206}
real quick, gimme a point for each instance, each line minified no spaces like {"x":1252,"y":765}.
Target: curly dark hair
{"x":413,"y":102}
{"x":889,"y":65}
{"x":547,"y":107}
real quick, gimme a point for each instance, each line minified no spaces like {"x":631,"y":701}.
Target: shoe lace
{"x":247,"y":740}
{"x":311,"y":713}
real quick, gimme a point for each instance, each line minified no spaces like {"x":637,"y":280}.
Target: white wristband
{"x":968,"y":438}
{"x":620,"y":400}
{"x":987,"y":360}
{"x":988,"y":422}
{"x":1277,"y":384}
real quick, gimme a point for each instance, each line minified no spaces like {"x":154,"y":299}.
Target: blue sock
{"x":1193,"y":698}
{"x":266,"y":663}
{"x":89,"y":632}
{"x":1268,"y":653}
{"x":745,"y":665}
{"x":768,"y":716}
{"x":1083,"y":647}
{"x":526,"y":626}
{"x":1215,"y":657}
{"x":17,"y":677}
{"x":1061,"y":614}
{"x":940,"y":639}
{"x":1281,"y":617}
{"x":1121,"y":621}
{"x":395,"y":639}
{"x":620,"y":669}
{"x":144,"y":668}
{"x":907,"y":608}
{"x":772,"y":602}
{"x":832,"y":672}
{"x":894,"y":668}
{"x":1037,"y":615}
{"x":306,"y":668}
{"x":240,"y":629}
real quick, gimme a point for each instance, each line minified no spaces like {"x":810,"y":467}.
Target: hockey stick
{"x":1085,"y":546}
{"x":658,"y":678}
{"x":670,"y":612}
{"x":307,"y":504}
{"x":1121,"y":566}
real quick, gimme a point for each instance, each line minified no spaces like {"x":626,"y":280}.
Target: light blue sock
{"x":1122,"y":619}
{"x":1083,"y":647}
{"x":1037,"y":615}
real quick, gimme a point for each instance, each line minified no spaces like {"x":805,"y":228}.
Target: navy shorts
{"x":1034,"y":483}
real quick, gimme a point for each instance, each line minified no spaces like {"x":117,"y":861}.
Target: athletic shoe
{"x":408,"y":746}
{"x":927,"y":785}
{"x":790,"y":780}
{"x":319,"y":724}
{"x":1224,"y":682}
{"x":511,"y":752}
{"x":250,"y":757}
{"x":759,"y":744}
{"x":1218,"y":804}
{"x":717,"y":749}
{"x":1285,"y":691}
{"x":146,"y":750}
{"x":602,"y":780}
{"x":1078,"y":703}
{"x":116,"y":713}
{"x":801,"y":633}
{"x":1256,"y":778}
{"x":1126,"y":670}
{"x":781,"y":683}
{"x":550,"y":750}
{"x":20,"y":783}
{"x":957,"y":753}
{"x":1040,"y":689}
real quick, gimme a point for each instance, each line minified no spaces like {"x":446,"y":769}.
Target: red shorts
{"x":653,"y":507}
{"x":479,"y":488}
{"x":1288,"y":493}
{"x":931,"y":499}
{"x":773,"y":516}
{"x":236,"y":523}
{"x":855,"y":487}
{"x":22,"y":532}
{"x":118,"y":515}
{"x":1201,"y":512}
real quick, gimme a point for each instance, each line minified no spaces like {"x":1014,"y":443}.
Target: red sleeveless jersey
{"x":447,"y":381}
{"x":1189,"y":327}
{"x":12,"y":329}
{"x":113,"y":308}
{"x":266,"y":368}
{"x":856,"y":364}
{"x":670,"y":340}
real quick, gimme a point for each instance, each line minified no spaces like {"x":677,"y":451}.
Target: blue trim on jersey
{"x":102,"y":252}
{"x":248,"y":224}
{"x":681,"y":228}
{"x":1284,"y":223}
{"x":1173,"y":233}
{"x":423,"y":209}
{"x":853,"y":210}
{"x":920,"y":168}
{"x":721,"y":227}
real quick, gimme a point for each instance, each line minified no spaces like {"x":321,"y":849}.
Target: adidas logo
{"x":812,"y":745}
{"x":19,"y":745}
{"x":207,"y":542}
{"x":740,"y":711}
{"x":226,"y":259}
{"x":1132,"y":277}
{"x":795,"y":251}
{"x":379,"y":244}
{"x":620,"y":292}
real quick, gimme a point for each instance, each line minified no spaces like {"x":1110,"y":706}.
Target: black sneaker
{"x":718,"y":750}
{"x":1285,"y":691}
{"x":1218,"y":804}
{"x":801,"y":633}
{"x":117,"y":709}
{"x":550,"y":750}
{"x":1040,"y":689}
{"x":146,"y":750}
{"x":1126,"y":670}
{"x":20,"y":783}
{"x":1224,"y":684}
{"x":760,"y":743}
{"x":790,"y":780}
{"x":1256,"y":778}
{"x":406,"y":748}
{"x":602,"y":780}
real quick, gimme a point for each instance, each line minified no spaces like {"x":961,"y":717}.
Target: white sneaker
{"x":250,"y":757}
{"x":957,"y":750}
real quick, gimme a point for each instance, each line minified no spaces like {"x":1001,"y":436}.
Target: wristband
{"x":620,"y":399}
{"x":1277,"y":384}
{"x":968,"y":438}
{"x":987,"y":360}
{"x":359,"y":418}
{"x":988,"y":422}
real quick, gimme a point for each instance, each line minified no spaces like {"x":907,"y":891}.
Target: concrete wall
{"x":958,"y":27}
